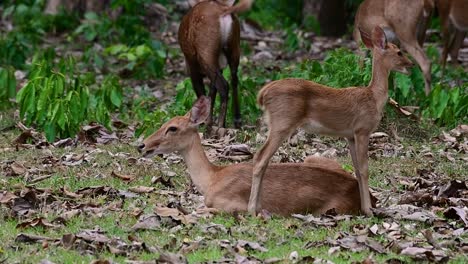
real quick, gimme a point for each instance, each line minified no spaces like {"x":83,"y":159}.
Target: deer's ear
{"x":192,"y":3}
{"x":366,"y":39}
{"x":200,"y":111}
{"x":379,"y":40}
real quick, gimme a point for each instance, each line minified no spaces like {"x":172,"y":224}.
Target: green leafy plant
{"x":8,"y":87}
{"x":53,"y":102}
{"x":276,"y":13}
{"x":341,"y":68}
{"x":58,"y":101}
{"x":30,"y":24}
{"x":447,"y":106}
{"x":292,"y":41}
{"x":95,"y":26}
{"x":143,"y":61}
{"x":107,"y":98}
{"x":15,"y":47}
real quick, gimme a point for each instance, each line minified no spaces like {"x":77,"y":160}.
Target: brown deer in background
{"x":315,"y":186}
{"x":209,"y":35}
{"x":454,"y":22}
{"x":403,"y":21}
{"x":353,"y":113}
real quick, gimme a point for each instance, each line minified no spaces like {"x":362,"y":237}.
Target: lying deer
{"x":315,"y":186}
{"x":209,"y":34}
{"x":454,"y":23}
{"x":403,"y":21}
{"x":353,"y":113}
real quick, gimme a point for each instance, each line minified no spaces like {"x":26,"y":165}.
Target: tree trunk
{"x":331,"y":15}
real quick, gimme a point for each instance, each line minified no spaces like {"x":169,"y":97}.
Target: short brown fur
{"x":353,"y":113}
{"x":454,"y":22}
{"x":315,"y":186}
{"x":201,"y":41}
{"x":406,"y":20}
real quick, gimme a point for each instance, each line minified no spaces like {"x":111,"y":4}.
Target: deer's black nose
{"x":141,"y":147}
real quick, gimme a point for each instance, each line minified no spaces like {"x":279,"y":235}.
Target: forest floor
{"x":95,"y":199}
{"x":83,"y":202}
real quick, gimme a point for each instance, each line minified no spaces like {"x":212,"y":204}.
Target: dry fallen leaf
{"x":141,"y":189}
{"x":30,"y":238}
{"x":147,"y":222}
{"x":122,"y":176}
{"x":93,"y":235}
{"x":18,"y":168}
{"x":37,"y":222}
{"x":175,"y":214}
{"x":171,"y":258}
{"x":243,"y":244}
{"x":457,"y":214}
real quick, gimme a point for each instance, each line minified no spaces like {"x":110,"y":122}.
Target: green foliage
{"x":448,"y":101}
{"x":341,"y":68}
{"x":128,"y":28}
{"x":295,"y":39}
{"x":106,"y":99}
{"x":53,"y":102}
{"x":311,"y":23}
{"x":292,"y":40}
{"x":7,"y":87}
{"x":27,"y":19}
{"x":447,"y":106}
{"x":182,"y":103}
{"x":29,"y":25}
{"x":276,"y":13}
{"x":59,"y":101}
{"x":94,"y":26}
{"x":15,"y":47}
{"x":144,"y":61}
{"x":185,"y":97}
{"x":248,"y":88}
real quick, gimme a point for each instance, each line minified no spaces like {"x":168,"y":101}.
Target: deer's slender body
{"x":209,"y":36}
{"x":454,"y":23}
{"x":353,"y":113}
{"x":315,"y":186}
{"x":403,"y":21}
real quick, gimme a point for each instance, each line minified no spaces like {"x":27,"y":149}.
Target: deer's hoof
{"x":367,"y":212}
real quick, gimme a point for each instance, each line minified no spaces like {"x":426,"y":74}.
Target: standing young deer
{"x":352,"y":113}
{"x":402,"y":20}
{"x":315,"y":186}
{"x":209,"y":34}
{"x":454,"y":21}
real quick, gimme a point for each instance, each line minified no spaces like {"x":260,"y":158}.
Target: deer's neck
{"x":379,"y":82}
{"x":201,"y":170}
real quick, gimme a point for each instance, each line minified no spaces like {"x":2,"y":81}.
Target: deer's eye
{"x":171,"y":129}
{"x":400,"y":54}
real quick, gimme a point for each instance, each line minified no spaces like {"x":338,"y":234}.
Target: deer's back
{"x":204,"y":31}
{"x":288,"y":188}
{"x":347,"y":109}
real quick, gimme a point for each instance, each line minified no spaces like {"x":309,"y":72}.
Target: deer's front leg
{"x":360,"y":147}
{"x":260,"y":161}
